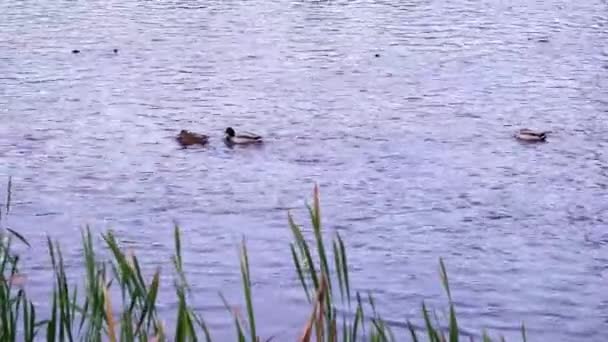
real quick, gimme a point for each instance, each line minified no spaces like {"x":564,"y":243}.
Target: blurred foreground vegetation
{"x":90,"y":313}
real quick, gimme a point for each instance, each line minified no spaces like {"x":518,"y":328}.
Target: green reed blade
{"x":433,"y":336}
{"x":453,"y":324}
{"x":127,"y":271}
{"x":14,"y":314}
{"x":370,"y":299}
{"x":201,"y":323}
{"x":296,"y":262}
{"x":178,"y":246}
{"x":181,"y":327}
{"x":338,"y":263}
{"x":51,"y":251}
{"x":316,"y":223}
{"x":26,"y":319}
{"x":126,"y":327}
{"x":360,"y":309}
{"x":380,"y":329}
{"x":138,"y":275}
{"x":32,"y":325}
{"x":148,"y":309}
{"x":358,"y":319}
{"x":345,"y":330}
{"x":410,"y":327}
{"x":9,"y":194}
{"x":237,"y":324}
{"x":485,"y":337}
{"x":191,"y":326}
{"x":439,"y":331}
{"x":344,"y":267}
{"x":304,"y":249}
{"x":83,"y":314}
{"x":247,"y":289}
{"x":444,"y":278}
{"x":52,"y":324}
{"x":19,"y":236}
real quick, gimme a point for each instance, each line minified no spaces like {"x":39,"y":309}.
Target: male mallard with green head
{"x":529,"y":135}
{"x":187,"y":138}
{"x":243,"y":138}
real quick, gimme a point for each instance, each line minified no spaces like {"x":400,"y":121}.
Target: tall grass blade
{"x":109,"y":315}
{"x":433,"y":336}
{"x":181,"y":326}
{"x":247,"y":290}
{"x":52,"y":324}
{"x":19,"y":236}
{"x":237,"y":323}
{"x":345,"y":266}
{"x":9,"y":194}
{"x":149,"y":308}
{"x":338,"y":264}
{"x":305,"y":250}
{"x":201,"y":323}
{"x":453,"y":326}
{"x":315,"y":215}
{"x":126,"y":327}
{"x":444,"y":278}
{"x":358,"y":319}
{"x":410,"y":327}
{"x":296,"y":262}
{"x":178,"y":246}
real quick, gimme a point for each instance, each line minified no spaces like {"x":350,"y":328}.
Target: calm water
{"x":412,"y":150}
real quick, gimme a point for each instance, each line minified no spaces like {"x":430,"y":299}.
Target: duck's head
{"x":230,"y":132}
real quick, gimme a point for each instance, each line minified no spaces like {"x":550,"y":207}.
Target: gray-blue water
{"x":413,"y":150}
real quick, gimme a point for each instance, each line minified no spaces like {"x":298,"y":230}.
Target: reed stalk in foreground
{"x":337,"y":313}
{"x":337,"y":318}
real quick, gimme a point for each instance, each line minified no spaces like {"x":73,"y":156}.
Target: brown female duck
{"x":187,"y":138}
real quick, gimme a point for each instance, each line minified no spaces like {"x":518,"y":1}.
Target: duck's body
{"x":187,"y":138}
{"x":244,"y":138}
{"x":529,"y":135}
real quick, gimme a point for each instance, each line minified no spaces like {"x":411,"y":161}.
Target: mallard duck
{"x":529,"y":135}
{"x":242,"y":138}
{"x":187,"y":138}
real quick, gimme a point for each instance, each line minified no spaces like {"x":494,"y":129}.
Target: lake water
{"x":412,"y":150}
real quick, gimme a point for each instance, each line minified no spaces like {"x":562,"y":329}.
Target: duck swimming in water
{"x":187,"y":138}
{"x":529,"y":135}
{"x":244,"y":138}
